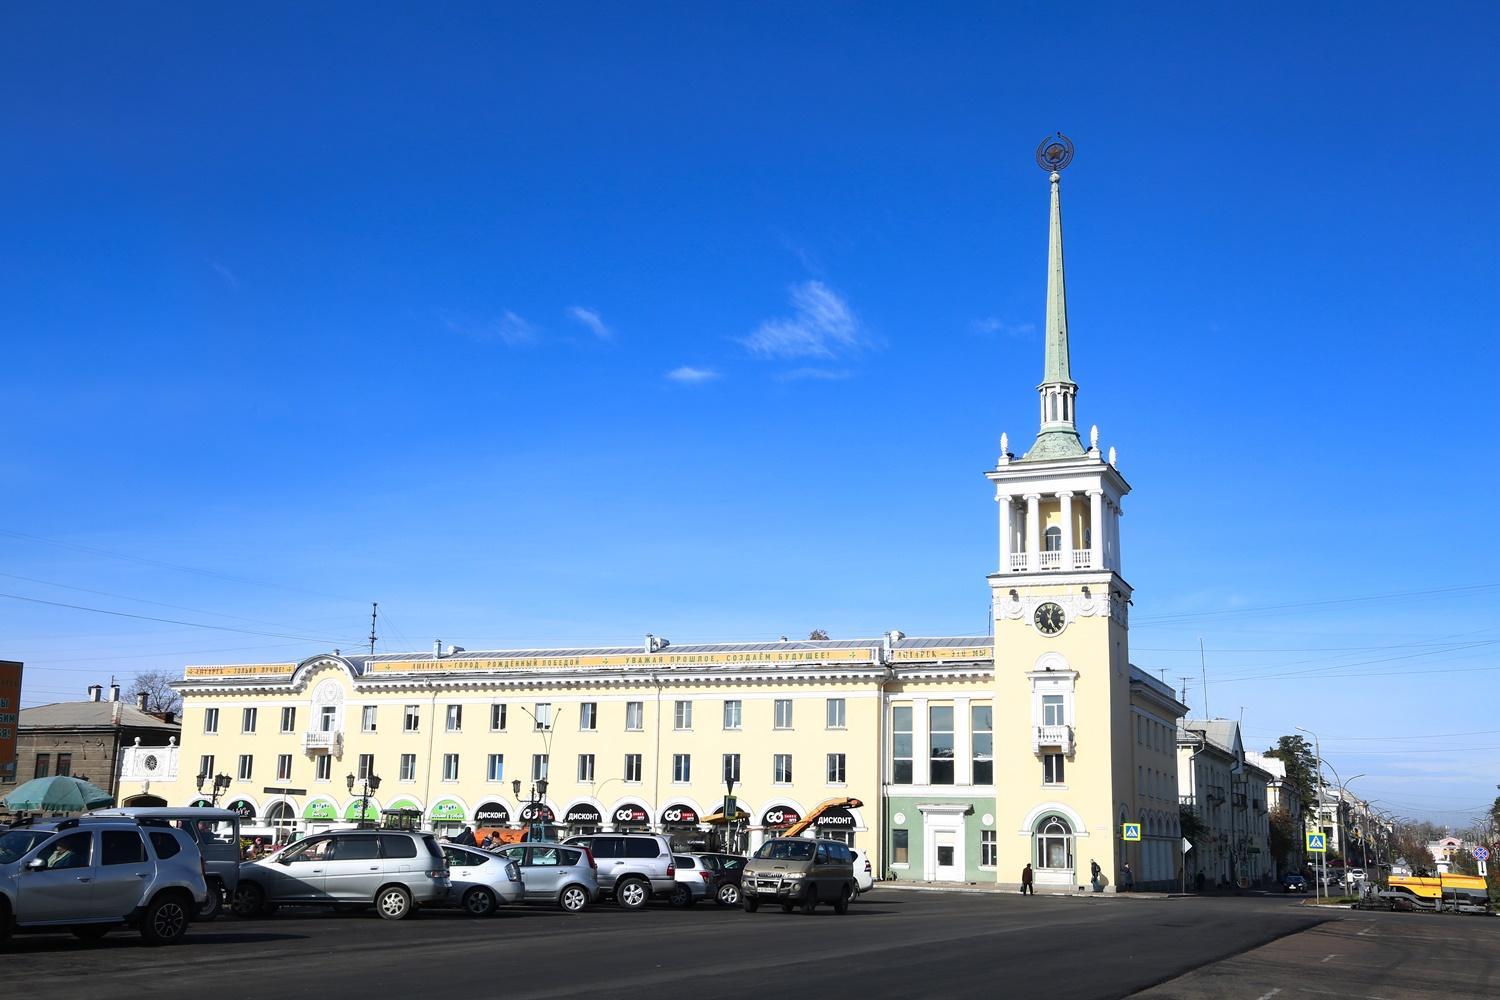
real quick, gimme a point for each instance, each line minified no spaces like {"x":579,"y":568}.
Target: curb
{"x":987,"y":890}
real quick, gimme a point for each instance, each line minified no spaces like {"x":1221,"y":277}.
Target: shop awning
{"x":491,"y":814}
{"x":322,"y":809}
{"x":837,"y":818}
{"x":372,"y":811}
{"x":678,"y":814}
{"x":583,"y":815}
{"x":779,"y":817}
{"x":446,"y":811}
{"x":631,"y":815}
{"x":537,"y":812}
{"x":245,"y":809}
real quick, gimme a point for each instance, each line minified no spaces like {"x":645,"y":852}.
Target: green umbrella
{"x":58,"y":793}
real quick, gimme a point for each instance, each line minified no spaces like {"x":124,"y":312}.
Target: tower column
{"x":1033,"y":531}
{"x":1115,"y":537}
{"x":1007,"y":533}
{"x":1065,"y":509}
{"x":1096,"y":529}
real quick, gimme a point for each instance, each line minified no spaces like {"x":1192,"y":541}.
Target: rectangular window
{"x":585,"y":769}
{"x":497,"y":718}
{"x":408,"y":767}
{"x":835,"y":713}
{"x":632,"y":767}
{"x":542,"y":717}
{"x":210,"y":720}
{"x":65,"y":764}
{"x":247,"y":767}
{"x":899,"y":843}
{"x":682,"y":767}
{"x":411,"y":721}
{"x":781,"y":769}
{"x":1052,"y":710}
{"x":940,"y":744}
{"x":733,"y":714}
{"x":367,"y":719}
{"x":450,"y":767}
{"x":366,"y":766}
{"x":783,"y":713}
{"x":836,"y":769}
{"x":206,"y":766}
{"x":43,"y":767}
{"x":682,"y":715}
{"x":732,"y":767}
{"x":635,"y":714}
{"x":284,"y":767}
{"x":328,"y":719}
{"x":988,"y":849}
{"x":901,"y":745}
{"x":982,"y":728}
{"x":248,"y":719}
{"x":494,"y":768}
{"x":588,"y":716}
{"x":1052,"y":769}
{"x":289,"y":719}
{"x":323,"y":767}
{"x":538,"y":766}
{"x":455,"y":718}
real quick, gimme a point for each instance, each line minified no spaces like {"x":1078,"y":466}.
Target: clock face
{"x":1049,"y":619}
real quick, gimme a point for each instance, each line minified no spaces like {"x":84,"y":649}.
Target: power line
{"x":1156,"y":619}
{"x":165,"y":621}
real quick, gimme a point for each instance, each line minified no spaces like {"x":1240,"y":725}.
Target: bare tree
{"x":817,"y":633}
{"x":156,"y":685}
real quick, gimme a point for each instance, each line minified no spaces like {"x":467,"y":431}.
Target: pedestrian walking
{"x":1026,"y":878}
{"x":465,"y":837}
{"x":1094,"y":872}
{"x":1127,"y":878}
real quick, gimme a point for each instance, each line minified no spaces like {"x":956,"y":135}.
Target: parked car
{"x":724,"y":887}
{"x":864,"y":872}
{"x":94,"y":874}
{"x":633,"y":867}
{"x":1292,"y":882}
{"x":556,"y":874}
{"x":481,"y":882}
{"x":393,"y":871}
{"x":217,"y":834}
{"x":693,"y":879}
{"x":797,"y":871}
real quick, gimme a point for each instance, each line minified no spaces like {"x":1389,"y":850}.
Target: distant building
{"x":86,"y":739}
{"x":1229,"y":796}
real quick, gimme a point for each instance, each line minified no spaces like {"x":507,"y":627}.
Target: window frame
{"x":588,"y":716}
{"x":777,"y":722}
{"x":498,"y":712}
{"x":450,"y":767}
{"x":682,"y":768}
{"x":838,"y":769}
{"x":909,"y":758}
{"x":682,"y":715}
{"x":369,"y":719}
{"x":288,"y":719}
{"x":249,"y":718}
{"x":406,"y":767}
{"x":736,"y":707}
{"x":778,"y":777}
{"x":211,"y":721}
{"x":283,"y":767}
{"x":637,"y":709}
{"x":411,"y":718}
{"x":836,"y":713}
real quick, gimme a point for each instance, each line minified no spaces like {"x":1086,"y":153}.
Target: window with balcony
{"x":1052,"y":539}
{"x":328,"y":719}
{"x":901,"y":745}
{"x":940,"y":743}
{"x":982,"y":727}
{"x":1053,"y":710}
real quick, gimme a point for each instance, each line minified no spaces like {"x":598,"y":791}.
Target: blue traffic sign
{"x":1317,"y":843}
{"x":1481,"y":853}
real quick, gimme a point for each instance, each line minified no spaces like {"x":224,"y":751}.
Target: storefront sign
{"x":631,"y":816}
{"x":352,"y":813}
{"x":945,"y":653}
{"x":491,"y":814}
{"x":779,"y":817}
{"x":537,"y":812}
{"x":200,"y":804}
{"x":621,"y":660}
{"x":679,"y":815}
{"x":323,"y":809}
{"x":583,"y":816}
{"x":447,"y":811}
{"x":10,"y":716}
{"x":245,"y":809}
{"x":838,"y":818}
{"x":240,"y":670}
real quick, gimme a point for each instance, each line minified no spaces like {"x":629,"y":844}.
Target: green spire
{"x":1056,"y":368}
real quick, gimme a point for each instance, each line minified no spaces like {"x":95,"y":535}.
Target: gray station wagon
{"x":393,"y":871}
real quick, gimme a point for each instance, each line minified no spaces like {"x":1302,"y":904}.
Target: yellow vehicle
{"x":1441,"y":893}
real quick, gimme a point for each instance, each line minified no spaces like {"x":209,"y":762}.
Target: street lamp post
{"x":371,"y":783}
{"x":730,"y":808}
{"x":533,"y":807}
{"x":220,"y":785}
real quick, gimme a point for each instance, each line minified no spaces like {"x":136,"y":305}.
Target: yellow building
{"x":970,"y":757}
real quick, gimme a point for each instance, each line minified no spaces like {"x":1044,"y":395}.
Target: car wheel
{"x":573,"y":899}
{"x":479,"y":902}
{"x":91,"y":933}
{"x":393,"y":903}
{"x":165,"y":920}
{"x":750,"y":903}
{"x":841,"y":905}
{"x":681,"y":896}
{"x":632,"y":894}
{"x":729,"y":894}
{"x":213,"y":904}
{"x":249,"y":901}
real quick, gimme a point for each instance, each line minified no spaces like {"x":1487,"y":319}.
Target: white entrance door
{"x":948,"y":865}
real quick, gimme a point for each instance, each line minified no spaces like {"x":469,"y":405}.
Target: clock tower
{"x":1060,"y":608}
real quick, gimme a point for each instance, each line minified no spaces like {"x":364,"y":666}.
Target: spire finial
{"x":1094,"y":437}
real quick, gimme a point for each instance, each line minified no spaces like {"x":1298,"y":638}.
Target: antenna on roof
{"x":374,"y":610}
{"x":1184,"y":680}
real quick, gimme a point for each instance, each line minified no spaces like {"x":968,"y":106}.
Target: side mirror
{"x":36,"y":864}
{"x":284,"y":860}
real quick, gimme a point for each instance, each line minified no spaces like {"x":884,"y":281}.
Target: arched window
{"x":1052,"y":539}
{"x":1054,"y":843}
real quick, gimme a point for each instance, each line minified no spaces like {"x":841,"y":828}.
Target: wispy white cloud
{"x":993,"y":325}
{"x":821,"y":326}
{"x":687,"y":373}
{"x":823,"y":374}
{"x":225,"y":273}
{"x":591,"y":319}
{"x":510,"y":329}
{"x":513,"y":331}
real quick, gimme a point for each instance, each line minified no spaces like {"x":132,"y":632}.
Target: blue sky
{"x":564,"y":325}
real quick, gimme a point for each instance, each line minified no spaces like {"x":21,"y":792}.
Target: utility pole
{"x":374,"y":608}
{"x":1203,"y":668}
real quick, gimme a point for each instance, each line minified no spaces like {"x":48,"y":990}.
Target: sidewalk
{"x":999,"y":888}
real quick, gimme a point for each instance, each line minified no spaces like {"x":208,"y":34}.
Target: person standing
{"x":1127,"y":878}
{"x":1026,"y":878}
{"x":1094,"y":872}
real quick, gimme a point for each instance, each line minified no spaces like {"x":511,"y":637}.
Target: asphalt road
{"x":893,"y":943}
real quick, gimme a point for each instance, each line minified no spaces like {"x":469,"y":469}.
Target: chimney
{"x":114,"y":692}
{"x":140,"y":701}
{"x":96,"y":691}
{"x":437,"y":649}
{"x":455,"y":650}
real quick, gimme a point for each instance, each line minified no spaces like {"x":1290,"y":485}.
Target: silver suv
{"x":633,"y":867}
{"x":391,"y":870}
{"x":91,"y":875}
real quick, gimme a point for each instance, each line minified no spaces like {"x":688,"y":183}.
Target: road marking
{"x":1365,"y":931}
{"x":1268,"y":996}
{"x":1325,"y":958}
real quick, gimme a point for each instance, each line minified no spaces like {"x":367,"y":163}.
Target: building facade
{"x":947,"y":758}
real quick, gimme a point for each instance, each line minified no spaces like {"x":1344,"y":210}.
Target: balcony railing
{"x":1048,"y":737}
{"x":319,"y":741}
{"x":1021,"y":562}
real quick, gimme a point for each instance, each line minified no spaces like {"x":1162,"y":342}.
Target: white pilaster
{"x":963,"y":743}
{"x":921,"y":743}
{"x":1096,"y":529}
{"x":1006,"y":532}
{"x":1033,"y":531}
{"x":1065,"y":512}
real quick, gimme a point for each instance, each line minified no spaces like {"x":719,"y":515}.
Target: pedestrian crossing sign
{"x":1130,"y":831}
{"x":1317,"y":843}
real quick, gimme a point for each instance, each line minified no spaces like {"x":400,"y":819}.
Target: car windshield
{"x":786,"y":850}
{"x":15,"y":844}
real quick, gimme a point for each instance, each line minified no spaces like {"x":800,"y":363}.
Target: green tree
{"x":818,"y":633}
{"x":1285,"y":840}
{"x":1301,"y":767}
{"x":1193,"y":828}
